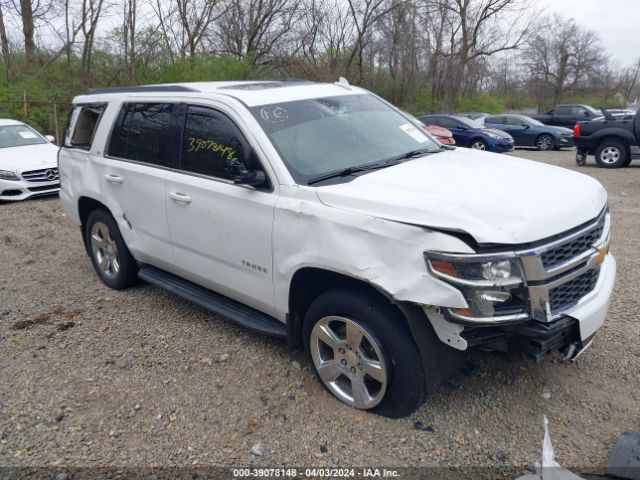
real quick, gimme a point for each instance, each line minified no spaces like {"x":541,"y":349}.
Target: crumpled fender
{"x":386,"y":254}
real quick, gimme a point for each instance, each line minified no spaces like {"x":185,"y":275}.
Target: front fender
{"x":388,"y":255}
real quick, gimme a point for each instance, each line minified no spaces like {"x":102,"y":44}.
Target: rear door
{"x":221,"y":231}
{"x":141,"y":149}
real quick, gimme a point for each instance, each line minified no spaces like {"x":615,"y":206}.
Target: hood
{"x":500,"y":133}
{"x":28,"y":157}
{"x":494,"y":198}
{"x":563,"y":130}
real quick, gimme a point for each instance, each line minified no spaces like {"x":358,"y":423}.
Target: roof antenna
{"x":343,"y":82}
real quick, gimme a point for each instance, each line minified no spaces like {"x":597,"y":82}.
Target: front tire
{"x":479,"y":145}
{"x":363,"y":353}
{"x":611,"y":154}
{"x":545,"y":143}
{"x":110,"y":256}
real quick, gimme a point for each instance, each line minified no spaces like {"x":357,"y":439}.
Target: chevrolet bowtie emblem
{"x":601,"y":254}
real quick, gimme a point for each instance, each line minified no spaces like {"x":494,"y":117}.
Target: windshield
{"x":319,"y":136}
{"x":591,"y":110}
{"x":19,"y":135}
{"x":469,"y":123}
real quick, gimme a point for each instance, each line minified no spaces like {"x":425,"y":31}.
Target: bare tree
{"x":184,"y":23}
{"x":365,"y":14}
{"x":91,"y":14}
{"x":629,"y":80}
{"x":129,"y":23}
{"x":257,"y":29}
{"x":561,"y":54}
{"x":4,"y":42}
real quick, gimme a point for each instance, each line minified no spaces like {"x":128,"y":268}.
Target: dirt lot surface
{"x":95,"y":377}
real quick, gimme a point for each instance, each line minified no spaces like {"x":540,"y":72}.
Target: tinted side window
{"x":209,"y":142}
{"x":515,"y":121}
{"x":581,"y":112}
{"x":494,"y":120}
{"x":446,"y":122}
{"x":562,"y":111}
{"x":143,"y":133}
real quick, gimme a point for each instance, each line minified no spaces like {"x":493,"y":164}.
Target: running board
{"x":237,"y":312}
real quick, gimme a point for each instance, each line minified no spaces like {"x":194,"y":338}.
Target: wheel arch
{"x":554,"y":136}
{"x":441,"y":363}
{"x":86,"y":205}
{"x":612,"y":138}
{"x":307,"y":283}
{"x":481,"y":138}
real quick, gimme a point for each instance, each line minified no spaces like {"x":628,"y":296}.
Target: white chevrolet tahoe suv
{"x":321,"y":214}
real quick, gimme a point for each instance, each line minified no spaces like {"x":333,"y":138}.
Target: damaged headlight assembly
{"x":493,"y":286}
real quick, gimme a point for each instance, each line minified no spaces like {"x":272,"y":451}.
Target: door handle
{"x":114,"y":178}
{"x":180,"y":197}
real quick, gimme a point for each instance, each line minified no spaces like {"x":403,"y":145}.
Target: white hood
{"x":494,"y":198}
{"x":28,"y":157}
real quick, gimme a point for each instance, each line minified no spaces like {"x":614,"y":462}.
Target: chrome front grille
{"x":41,"y":175}
{"x":561,"y":273}
{"x":572,"y":248}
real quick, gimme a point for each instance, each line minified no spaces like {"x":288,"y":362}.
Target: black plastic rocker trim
{"x":237,"y":312}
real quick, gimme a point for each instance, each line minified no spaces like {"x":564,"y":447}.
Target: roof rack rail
{"x":142,"y":88}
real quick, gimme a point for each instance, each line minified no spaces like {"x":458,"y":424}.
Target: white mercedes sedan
{"x":28,"y":162}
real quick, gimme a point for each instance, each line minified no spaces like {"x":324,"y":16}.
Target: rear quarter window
{"x":83,"y":123}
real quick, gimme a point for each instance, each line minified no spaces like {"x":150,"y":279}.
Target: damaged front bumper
{"x":570,"y":333}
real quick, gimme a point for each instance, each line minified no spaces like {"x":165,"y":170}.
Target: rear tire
{"x":109,"y":254}
{"x":363,"y":353}
{"x":611,"y":154}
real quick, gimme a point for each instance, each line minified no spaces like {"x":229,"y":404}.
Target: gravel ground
{"x":95,"y":377}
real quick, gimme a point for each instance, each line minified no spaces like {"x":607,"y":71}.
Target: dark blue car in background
{"x":472,"y":133}
{"x":529,"y":132}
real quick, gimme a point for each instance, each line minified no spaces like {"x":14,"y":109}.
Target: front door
{"x":220,"y":231}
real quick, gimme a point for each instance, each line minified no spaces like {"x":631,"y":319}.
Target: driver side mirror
{"x":243,"y":176}
{"x":51,"y":138}
{"x":525,"y":126}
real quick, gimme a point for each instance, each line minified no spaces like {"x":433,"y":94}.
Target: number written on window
{"x":210,"y":141}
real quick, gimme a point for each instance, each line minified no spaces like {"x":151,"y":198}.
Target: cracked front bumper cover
{"x":537,"y":339}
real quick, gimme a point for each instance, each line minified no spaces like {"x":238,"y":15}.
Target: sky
{"x":617,"y":22}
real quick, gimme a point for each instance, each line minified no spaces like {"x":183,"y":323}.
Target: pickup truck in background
{"x":567,"y":115}
{"x":614,"y":142}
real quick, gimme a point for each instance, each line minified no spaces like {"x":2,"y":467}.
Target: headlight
{"x":493,"y":135}
{"x":492,"y":285}
{"x":7,"y":175}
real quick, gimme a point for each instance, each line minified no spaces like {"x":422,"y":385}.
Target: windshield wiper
{"x":374,"y":166}
{"x":351,"y":170}
{"x":420,"y":152}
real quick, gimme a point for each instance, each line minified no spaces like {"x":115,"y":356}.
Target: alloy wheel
{"x":105,"y":250}
{"x":610,"y":155}
{"x":349,"y":361}
{"x":545,"y":142}
{"x":478,"y":145}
